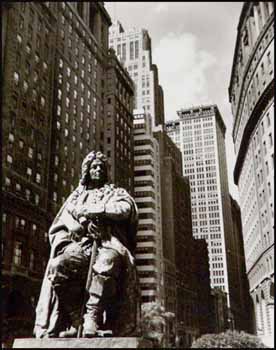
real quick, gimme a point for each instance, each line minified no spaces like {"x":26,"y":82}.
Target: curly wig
{"x":86,"y":166}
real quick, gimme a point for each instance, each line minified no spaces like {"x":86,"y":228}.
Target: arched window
{"x":271,"y":290}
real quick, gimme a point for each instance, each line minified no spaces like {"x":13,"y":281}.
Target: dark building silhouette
{"x":220,"y":311}
{"x":186,"y":265}
{"x":245,"y":314}
{"x":118,"y":131}
{"x":56,"y":62}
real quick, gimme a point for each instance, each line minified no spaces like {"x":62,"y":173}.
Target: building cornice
{"x":267,"y":95}
{"x":245,"y":9}
{"x":247,"y":70}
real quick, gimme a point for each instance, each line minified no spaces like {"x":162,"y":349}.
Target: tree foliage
{"x":153,"y":322}
{"x":229,"y":339}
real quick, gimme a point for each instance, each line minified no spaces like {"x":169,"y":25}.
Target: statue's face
{"x":97,"y":170}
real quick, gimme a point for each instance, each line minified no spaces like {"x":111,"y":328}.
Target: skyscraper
{"x":149,"y":250}
{"x":118,"y":123}
{"x":251,"y":93}
{"x":133,"y":48}
{"x":199,"y":133}
{"x":55,"y":57}
{"x":186,"y":265}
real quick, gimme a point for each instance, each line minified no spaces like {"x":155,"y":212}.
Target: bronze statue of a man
{"x":101,"y":212}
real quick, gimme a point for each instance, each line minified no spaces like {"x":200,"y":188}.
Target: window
{"x":124,"y":51}
{"x":28,"y":194}
{"x":16,"y":78}
{"x":42,"y":101}
{"x":19,"y":38}
{"x":32,"y":260}
{"x":30,"y":152}
{"x":17,"y":258}
{"x":9,"y":159}
{"x":136,"y":49}
{"x":270,"y":140}
{"x":36,"y":58}
{"x":268,"y":58}
{"x":131,"y":54}
{"x":11,"y":137}
{"x":38,"y":178}
{"x":25,"y":86}
{"x":54,"y":196}
{"x":28,"y":49}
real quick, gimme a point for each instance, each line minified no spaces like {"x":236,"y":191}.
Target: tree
{"x":154,"y":319}
{"x":228,"y":339}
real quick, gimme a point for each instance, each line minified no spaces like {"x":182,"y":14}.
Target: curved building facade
{"x":252,"y":100}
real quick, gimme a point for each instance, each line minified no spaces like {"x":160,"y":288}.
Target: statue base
{"x":84,"y":343}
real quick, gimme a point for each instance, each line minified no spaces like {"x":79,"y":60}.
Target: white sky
{"x":193,"y":47}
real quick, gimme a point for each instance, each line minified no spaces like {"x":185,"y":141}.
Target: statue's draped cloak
{"x":123,"y":240}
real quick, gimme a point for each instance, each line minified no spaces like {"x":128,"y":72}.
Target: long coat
{"x":122,"y":239}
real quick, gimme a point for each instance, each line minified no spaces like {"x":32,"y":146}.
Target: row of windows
{"x":219,"y":281}
{"x":34,"y":258}
{"x":42,"y":100}
{"x":218,"y":273}
{"x":29,"y":195}
{"x":21,"y":224}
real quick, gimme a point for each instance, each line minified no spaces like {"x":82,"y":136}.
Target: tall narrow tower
{"x":133,"y":47}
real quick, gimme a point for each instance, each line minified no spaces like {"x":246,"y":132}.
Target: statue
{"x":95,"y":227}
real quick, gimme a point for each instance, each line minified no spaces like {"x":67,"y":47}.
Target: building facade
{"x":56,"y":62}
{"x":251,"y":93}
{"x":118,"y":127}
{"x":149,"y":250}
{"x":184,"y":271}
{"x":245,"y":314}
{"x":133,"y":48}
{"x":219,"y":310}
{"x":200,"y":135}
{"x":28,"y":73}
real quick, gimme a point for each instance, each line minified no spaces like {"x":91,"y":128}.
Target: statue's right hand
{"x":77,"y":232}
{"x":93,"y":230}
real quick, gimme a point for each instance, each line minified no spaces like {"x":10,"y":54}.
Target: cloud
{"x":182,"y":67}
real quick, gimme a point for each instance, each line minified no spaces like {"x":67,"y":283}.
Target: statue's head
{"x":94,"y":168}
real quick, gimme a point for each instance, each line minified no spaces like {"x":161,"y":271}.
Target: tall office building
{"x":133,"y":47}
{"x":200,"y":135}
{"x":56,"y":62}
{"x":186,"y":265}
{"x":118,"y":123}
{"x":149,"y":251}
{"x":251,"y":93}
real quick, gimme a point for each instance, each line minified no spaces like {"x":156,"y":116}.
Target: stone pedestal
{"x":84,"y":343}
